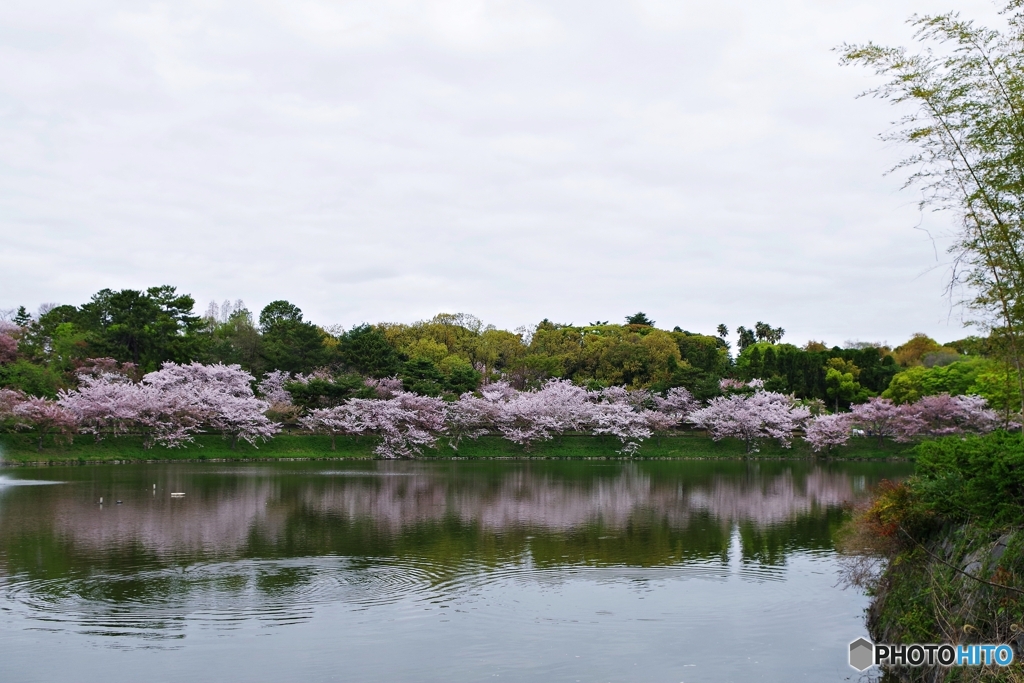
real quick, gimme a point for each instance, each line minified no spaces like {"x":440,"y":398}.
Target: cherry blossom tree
{"x":101,"y":366}
{"x":111,"y":404}
{"x":763,"y":414}
{"x":530,"y":416}
{"x":170,"y":405}
{"x":824,"y":432}
{"x":406,"y":423}
{"x":726,"y":385}
{"x":472,"y":417}
{"x":677,"y":401}
{"x":944,"y":415}
{"x":221,"y":395}
{"x":878,"y":417}
{"x":271,"y":388}
{"x":8,"y":399}
{"x":660,"y":422}
{"x":346,"y":419}
{"x":623,"y":421}
{"x":670,"y":410}
{"x":385,"y":387}
{"x":8,"y":349}
{"x":45,"y":417}
{"x":105,"y":403}
{"x":498,"y":391}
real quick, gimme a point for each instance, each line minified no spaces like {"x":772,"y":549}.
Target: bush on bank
{"x":977,"y":479}
{"x":951,"y":545}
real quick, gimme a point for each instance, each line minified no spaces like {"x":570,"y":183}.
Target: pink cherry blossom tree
{"x":825,"y":432}
{"x":271,"y":388}
{"x":221,"y":395}
{"x":385,"y":387}
{"x":8,"y":349}
{"x":629,"y":424}
{"x":170,"y":405}
{"x":346,"y":419}
{"x":763,"y":414}
{"x":945,"y":415}
{"x":111,"y":404}
{"x":670,"y":410}
{"x":45,"y":418}
{"x":726,"y":385}
{"x":107,"y":366}
{"x":8,"y":399}
{"x":530,"y":416}
{"x":878,"y":417}
{"x":676,"y":401}
{"x":471,"y":417}
{"x":106,"y":404}
{"x":405,"y":423}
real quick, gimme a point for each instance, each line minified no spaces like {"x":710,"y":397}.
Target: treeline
{"x":451,"y":354}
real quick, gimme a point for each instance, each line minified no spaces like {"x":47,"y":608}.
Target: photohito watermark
{"x":865,"y":654}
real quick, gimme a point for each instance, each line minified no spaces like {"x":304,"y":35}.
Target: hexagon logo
{"x":862,"y":654}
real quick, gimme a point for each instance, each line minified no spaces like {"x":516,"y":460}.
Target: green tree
{"x":459,"y":375}
{"x":290,"y":343}
{"x":37,"y":380}
{"x":237,"y":341}
{"x":954,"y":379}
{"x":22,"y":318}
{"x":145,"y":328}
{"x":278,"y":312}
{"x":766,"y":333}
{"x":964,"y":98}
{"x":327,"y":393}
{"x":840,"y":386}
{"x":57,"y":339}
{"x":639,"y":319}
{"x":421,"y":376}
{"x":746,"y":338}
{"x":367,"y":350}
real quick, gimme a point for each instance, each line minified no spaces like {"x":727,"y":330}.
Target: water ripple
{"x":158,"y":603}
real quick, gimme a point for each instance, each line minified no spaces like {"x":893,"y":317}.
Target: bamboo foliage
{"x":964,"y":94}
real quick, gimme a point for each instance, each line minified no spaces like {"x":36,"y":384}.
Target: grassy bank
{"x":952,"y":543}
{"x":21,"y":449}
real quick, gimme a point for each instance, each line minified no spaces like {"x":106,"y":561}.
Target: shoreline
{"x":19,"y":450}
{"x":505,"y":458}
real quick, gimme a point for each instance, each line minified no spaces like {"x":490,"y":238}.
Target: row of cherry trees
{"x":407,"y":422}
{"x":171,"y":405}
{"x":166,"y":407}
{"x":940,"y":415}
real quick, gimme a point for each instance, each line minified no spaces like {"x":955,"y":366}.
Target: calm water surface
{"x":429,"y":571}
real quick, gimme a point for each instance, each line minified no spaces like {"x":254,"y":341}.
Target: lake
{"x":674,"y":571}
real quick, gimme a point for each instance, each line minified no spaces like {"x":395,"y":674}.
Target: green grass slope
{"x":20,"y":449}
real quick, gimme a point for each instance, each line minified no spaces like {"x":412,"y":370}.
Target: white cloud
{"x":703,"y":162}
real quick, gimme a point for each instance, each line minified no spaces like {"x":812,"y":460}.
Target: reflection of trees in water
{"x":553,"y":503}
{"x":636,"y":515}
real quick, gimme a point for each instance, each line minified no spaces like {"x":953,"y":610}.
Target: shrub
{"x":980,"y":478}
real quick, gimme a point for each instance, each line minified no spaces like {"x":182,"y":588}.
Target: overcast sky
{"x":704,"y":162}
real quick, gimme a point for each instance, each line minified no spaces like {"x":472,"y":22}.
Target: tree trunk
{"x":333,"y":448}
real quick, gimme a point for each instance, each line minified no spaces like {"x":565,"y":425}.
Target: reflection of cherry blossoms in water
{"x":396,"y":497}
{"x":251,"y":547}
{"x":775,"y":499}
